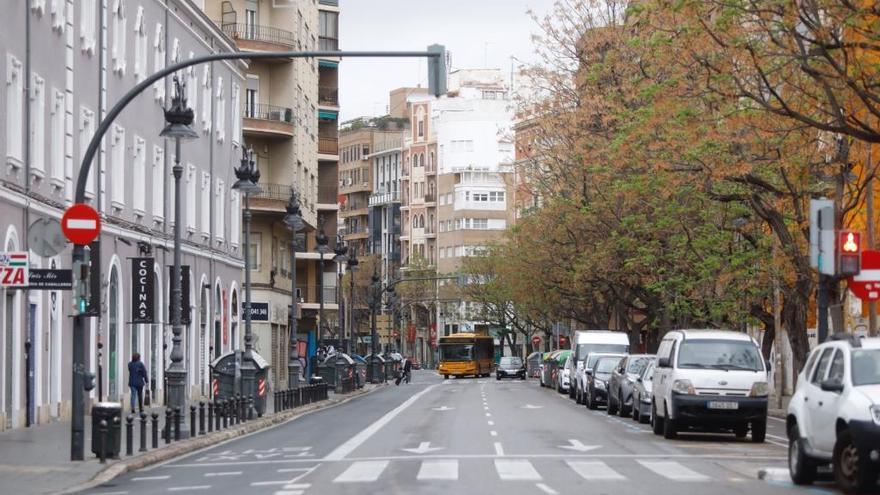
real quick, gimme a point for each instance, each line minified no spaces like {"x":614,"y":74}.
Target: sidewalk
{"x":37,"y":460}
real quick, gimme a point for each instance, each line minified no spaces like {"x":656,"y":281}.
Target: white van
{"x":709,"y":380}
{"x":588,"y":341}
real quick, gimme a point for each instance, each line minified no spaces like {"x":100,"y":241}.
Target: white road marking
{"x":356,"y":441}
{"x":594,"y":470}
{"x":578,"y":446}
{"x":150,"y":478}
{"x":485,"y":408}
{"x":423,"y":448}
{"x":114,"y":493}
{"x":488,"y":415}
{"x":438,"y":470}
{"x":673,"y":470}
{"x":187,"y":488}
{"x":516,"y":470}
{"x":499,"y":450}
{"x":491,"y":423}
{"x":226,"y":473}
{"x":289,"y":492}
{"x":546,"y":489}
{"x":270,"y":483}
{"x":443,"y":408}
{"x":362,"y":472}
{"x":493,"y":433}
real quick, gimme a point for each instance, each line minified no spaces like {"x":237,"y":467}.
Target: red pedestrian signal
{"x":849,"y":250}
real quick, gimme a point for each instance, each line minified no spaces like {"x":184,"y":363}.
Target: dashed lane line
{"x":150,"y":478}
{"x":189,"y":488}
{"x":225,"y":473}
{"x":546,"y":489}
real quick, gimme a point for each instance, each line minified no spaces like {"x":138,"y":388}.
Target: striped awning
{"x":327,"y":114}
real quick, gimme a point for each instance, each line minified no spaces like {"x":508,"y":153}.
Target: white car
{"x":834,"y":415}
{"x":589,"y":341}
{"x":563,"y":376}
{"x":709,"y":380}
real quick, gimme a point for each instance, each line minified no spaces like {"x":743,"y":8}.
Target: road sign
{"x":45,"y":237}
{"x":866,"y":285}
{"x":14,"y":269}
{"x":536,"y":340}
{"x":81,"y":224}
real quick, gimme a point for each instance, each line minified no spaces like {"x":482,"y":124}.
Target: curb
{"x":190,"y":445}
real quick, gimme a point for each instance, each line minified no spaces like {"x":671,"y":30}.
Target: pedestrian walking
{"x":404,"y":372}
{"x":137,"y":378}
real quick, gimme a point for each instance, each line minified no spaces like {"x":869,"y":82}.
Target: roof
{"x":714,"y":334}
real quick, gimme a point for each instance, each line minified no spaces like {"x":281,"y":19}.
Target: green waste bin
{"x":113,"y":443}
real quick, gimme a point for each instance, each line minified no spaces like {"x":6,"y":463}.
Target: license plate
{"x":717,"y":404}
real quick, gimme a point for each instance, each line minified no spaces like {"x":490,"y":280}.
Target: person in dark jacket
{"x":137,"y":378}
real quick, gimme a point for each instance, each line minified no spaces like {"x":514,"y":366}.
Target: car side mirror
{"x":639,"y":379}
{"x":589,"y":372}
{"x":832,"y":385}
{"x":663,"y":362}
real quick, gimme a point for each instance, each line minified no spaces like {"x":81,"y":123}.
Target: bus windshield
{"x":456,"y":352}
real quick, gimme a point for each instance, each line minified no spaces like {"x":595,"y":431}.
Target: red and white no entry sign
{"x":81,"y":224}
{"x":536,"y":340}
{"x":866,"y":285}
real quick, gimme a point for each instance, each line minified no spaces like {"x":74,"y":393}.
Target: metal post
{"x":155,"y":417}
{"x":869,"y":220}
{"x":321,"y":302}
{"x":224,"y":414}
{"x":176,"y":372}
{"x":168,"y":420}
{"x":351,"y":328}
{"x":143,"y":416}
{"x":102,"y":439}
{"x":129,"y":435}
{"x":822,"y":304}
{"x":247,"y":365}
{"x":340,"y":305}
{"x":177,"y":414}
{"x":293,"y":366}
{"x":78,"y":364}
{"x":192,"y":421}
{"x":201,"y":417}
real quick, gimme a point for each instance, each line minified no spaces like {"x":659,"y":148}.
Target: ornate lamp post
{"x":178,"y":119}
{"x":294,"y":221}
{"x":322,"y":248}
{"x":375,"y":301}
{"x":248,"y":175}
{"x":341,"y":257}
{"x":352,"y":338}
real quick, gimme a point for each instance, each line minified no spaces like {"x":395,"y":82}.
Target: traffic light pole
{"x":437,"y":81}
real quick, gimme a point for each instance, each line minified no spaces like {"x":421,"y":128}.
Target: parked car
{"x":510,"y":367}
{"x":584,"y":343}
{"x":589,"y":365}
{"x":834,"y":415}
{"x":709,"y":380}
{"x":597,"y":385}
{"x":621,"y":384}
{"x":641,"y":402}
{"x":563,"y":374}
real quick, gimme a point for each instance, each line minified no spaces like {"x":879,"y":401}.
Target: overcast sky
{"x":479,"y":33}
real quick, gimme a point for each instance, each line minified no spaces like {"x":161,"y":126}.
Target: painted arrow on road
{"x":578,"y":446}
{"x":529,"y":406}
{"x":423,"y":448}
{"x":442,"y":408}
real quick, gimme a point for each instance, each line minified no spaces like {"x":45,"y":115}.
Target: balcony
{"x":262,"y":120}
{"x":384,"y":198}
{"x":328,"y":96}
{"x":257,"y":38}
{"x":430,"y":198}
{"x":328,"y":198}
{"x":328,"y":145}
{"x":357,"y":232}
{"x":272,"y":197}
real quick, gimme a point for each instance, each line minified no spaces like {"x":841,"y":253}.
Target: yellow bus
{"x":464,"y":354}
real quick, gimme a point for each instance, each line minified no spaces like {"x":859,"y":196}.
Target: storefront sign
{"x":50,"y":279}
{"x":143,"y":307}
{"x":259,"y":311}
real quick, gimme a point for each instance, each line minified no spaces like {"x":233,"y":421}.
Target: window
{"x":159,"y":63}
{"x":481,"y":197}
{"x":496,"y":196}
{"x":140,"y":46}
{"x":421,"y":128}
{"x":14,"y":112}
{"x":191,"y":197}
{"x":836,"y":371}
{"x":87,"y":14}
{"x":57,"y":14}
{"x":139,"y":176}
{"x":480,"y":223}
{"x":822,"y":367}
{"x":119,"y":36}
{"x":158,"y":184}
{"x":328,"y":30}
{"x":220,"y":112}
{"x":56,"y":153}
{"x":117,"y":167}
{"x":220,"y":209}
{"x":38,"y":126}
{"x":86,"y":131}
{"x":234,"y":218}
{"x":206,"y":102}
{"x":236,"y":114}
{"x":205,"y":204}
{"x":192,"y":87}
{"x":254,"y":250}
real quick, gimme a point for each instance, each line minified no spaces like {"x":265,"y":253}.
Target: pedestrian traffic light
{"x":437,"y":70}
{"x":849,"y":251}
{"x":82,"y":283}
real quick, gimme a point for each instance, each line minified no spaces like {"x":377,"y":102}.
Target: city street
{"x":480,"y":436}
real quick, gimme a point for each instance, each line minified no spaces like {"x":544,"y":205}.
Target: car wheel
{"x":498,"y":377}
{"x":644,"y":418}
{"x":741,"y":430}
{"x":801,"y":468}
{"x":622,"y":411}
{"x":759,"y":430}
{"x":851,"y":471}
{"x":670,"y":430}
{"x":522,"y":377}
{"x":591,"y":401}
{"x":656,"y":421}
{"x":610,"y":409}
{"x":635,"y":411}
{"x":446,"y":377}
{"x":578,"y":396}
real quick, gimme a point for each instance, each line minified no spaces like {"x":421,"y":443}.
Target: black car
{"x":511,"y":367}
{"x":597,"y":381}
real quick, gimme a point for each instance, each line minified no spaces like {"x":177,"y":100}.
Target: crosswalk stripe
{"x":516,"y":470}
{"x":362,"y":472}
{"x":594,"y":471}
{"x":673,"y":470}
{"x":438,"y":470}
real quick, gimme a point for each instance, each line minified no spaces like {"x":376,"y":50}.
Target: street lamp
{"x":322,"y":248}
{"x":178,"y":119}
{"x":341,"y":257}
{"x":248,"y":175}
{"x":294,"y":221}
{"x":352,"y":267}
{"x":375,"y":300}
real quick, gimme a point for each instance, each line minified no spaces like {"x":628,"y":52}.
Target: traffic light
{"x":88,"y":381}
{"x":437,"y":70}
{"x":82,"y":284}
{"x":849,"y":250}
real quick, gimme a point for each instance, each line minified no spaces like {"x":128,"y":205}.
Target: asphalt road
{"x":472,"y":436}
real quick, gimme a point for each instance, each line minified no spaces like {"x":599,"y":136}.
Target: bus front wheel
{"x":446,"y":377}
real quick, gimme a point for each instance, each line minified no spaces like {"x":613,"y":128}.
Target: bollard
{"x":193,"y":427}
{"x":297,"y":401}
{"x":201,"y":417}
{"x":129,"y":435}
{"x":240,"y":413}
{"x":275,"y":402}
{"x":210,"y":416}
{"x":143,"y":432}
{"x":223,"y":413}
{"x":102,"y":438}
{"x":155,"y":417}
{"x":116,"y":427}
{"x":168,"y":421}
{"x":250,"y":408}
{"x":177,"y":414}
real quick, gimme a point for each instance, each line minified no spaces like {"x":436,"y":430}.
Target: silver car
{"x":621,"y":383}
{"x":641,"y":395}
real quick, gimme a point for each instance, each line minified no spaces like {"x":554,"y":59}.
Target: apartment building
{"x":78,"y":59}
{"x":356,"y":142}
{"x":289,"y":110}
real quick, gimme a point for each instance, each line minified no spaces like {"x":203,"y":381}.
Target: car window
{"x":636,"y":365}
{"x":811,"y":361}
{"x":866,"y":367}
{"x":512,"y":361}
{"x":605,"y":365}
{"x":725,"y":354}
{"x":648,"y":374}
{"x":836,"y":371}
{"x":822,"y":367}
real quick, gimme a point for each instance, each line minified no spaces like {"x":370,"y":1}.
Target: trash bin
{"x":226,"y":378}
{"x":107,"y":411}
{"x":360,"y":375}
{"x":327,"y":370}
{"x":261,"y":377}
{"x":375,"y":368}
{"x":344,"y":374}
